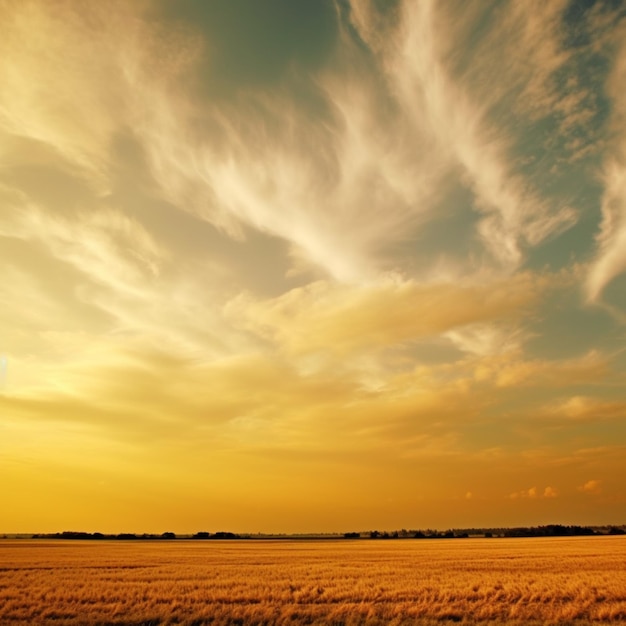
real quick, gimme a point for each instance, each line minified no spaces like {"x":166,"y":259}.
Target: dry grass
{"x":491,"y":581}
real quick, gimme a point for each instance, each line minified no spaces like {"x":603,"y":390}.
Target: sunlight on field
{"x":522,"y":581}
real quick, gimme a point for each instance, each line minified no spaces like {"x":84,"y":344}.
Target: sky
{"x":312,"y":266}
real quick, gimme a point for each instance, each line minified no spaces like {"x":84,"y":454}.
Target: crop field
{"x":578,"y":580}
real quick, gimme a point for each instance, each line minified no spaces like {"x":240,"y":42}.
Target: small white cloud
{"x":524,"y":493}
{"x":533,"y":493}
{"x":550,"y":492}
{"x":591,"y":487}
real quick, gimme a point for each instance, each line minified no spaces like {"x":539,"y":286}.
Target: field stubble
{"x":577,"y":580}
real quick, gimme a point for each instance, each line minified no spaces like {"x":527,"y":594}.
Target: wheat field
{"x":577,"y":580}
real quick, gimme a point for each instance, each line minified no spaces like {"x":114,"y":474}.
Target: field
{"x":470,"y":581}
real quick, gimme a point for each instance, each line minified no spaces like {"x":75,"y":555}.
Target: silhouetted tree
{"x":201,"y":535}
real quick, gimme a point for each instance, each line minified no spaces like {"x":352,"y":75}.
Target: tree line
{"x":70,"y":534}
{"x":550,"y":530}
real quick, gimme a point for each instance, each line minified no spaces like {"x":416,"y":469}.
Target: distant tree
{"x":351,"y":535}
{"x":168,"y":535}
{"x":201,"y":535}
{"x":516,"y":532}
{"x":374,"y":534}
{"x":224,"y":535}
{"x":72,"y":534}
{"x":614,"y":530}
{"x":551,"y":530}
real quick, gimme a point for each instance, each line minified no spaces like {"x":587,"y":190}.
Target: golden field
{"x":575,"y":580}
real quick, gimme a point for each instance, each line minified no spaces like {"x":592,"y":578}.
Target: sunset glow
{"x":292,"y":266}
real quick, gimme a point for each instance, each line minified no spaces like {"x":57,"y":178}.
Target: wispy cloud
{"x":325,"y":317}
{"x":105,"y":244}
{"x":586,"y":408}
{"x":461,"y":134}
{"x":610,"y":259}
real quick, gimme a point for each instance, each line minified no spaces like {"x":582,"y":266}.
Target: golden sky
{"x":291,"y":266}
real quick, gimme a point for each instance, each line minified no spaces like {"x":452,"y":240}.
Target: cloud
{"x":342,"y":186}
{"x":590,"y":367}
{"x":145,"y":398}
{"x":533,"y":493}
{"x":445,"y":116}
{"x":324,"y":317}
{"x":484,"y":339}
{"x":591,"y":487}
{"x":81,"y":76}
{"x":367,"y":165}
{"x":550,"y":492}
{"x":584,"y":408}
{"x":107,"y":245}
{"x":524,"y":494}
{"x":506,"y":366}
{"x":610,"y":258}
